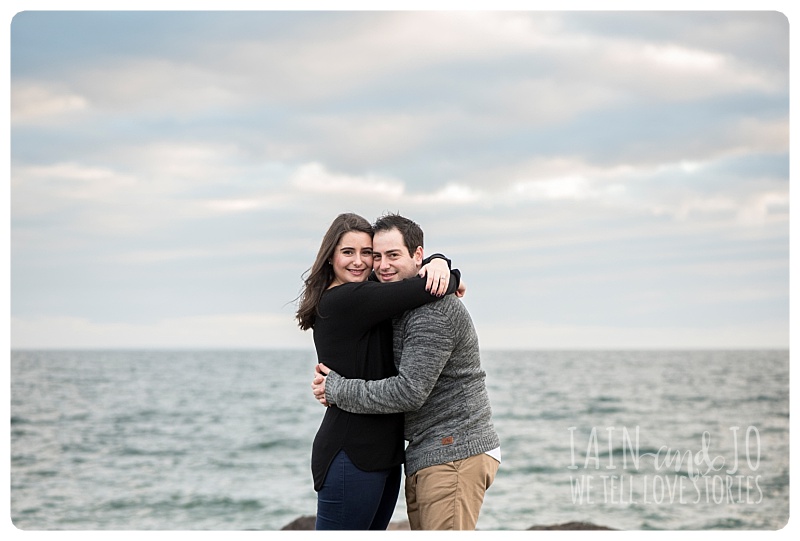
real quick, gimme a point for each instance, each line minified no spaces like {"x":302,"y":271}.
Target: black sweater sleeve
{"x":368,"y":303}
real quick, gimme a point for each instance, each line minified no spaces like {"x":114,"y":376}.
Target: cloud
{"x":191,"y":165}
{"x":154,"y":86}
{"x":315,"y":178}
{"x":370,"y":47}
{"x":32,"y":103}
{"x":765,"y":206}
{"x":452,"y":194}
{"x":42,"y":190}
{"x":755,"y":209}
{"x":544,"y":335}
{"x":244,"y":330}
{"x":362,"y":138}
{"x":228,"y":206}
{"x":146,"y":187}
{"x":282,"y":67}
{"x":569,"y":187}
{"x":72,"y":196}
{"x":671,"y":72}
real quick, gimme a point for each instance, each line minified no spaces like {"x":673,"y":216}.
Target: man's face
{"x":390,"y":258}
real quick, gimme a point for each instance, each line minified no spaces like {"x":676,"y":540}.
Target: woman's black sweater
{"x":353,"y":336}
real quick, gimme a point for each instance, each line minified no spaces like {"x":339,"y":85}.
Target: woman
{"x":356,"y":458}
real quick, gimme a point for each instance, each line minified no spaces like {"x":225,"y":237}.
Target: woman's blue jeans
{"x":353,"y":499}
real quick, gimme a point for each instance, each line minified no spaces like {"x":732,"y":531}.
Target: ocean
{"x":220,"y":440}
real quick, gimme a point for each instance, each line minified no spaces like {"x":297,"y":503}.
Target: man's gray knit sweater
{"x":440,"y":386}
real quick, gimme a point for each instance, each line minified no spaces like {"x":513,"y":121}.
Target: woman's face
{"x":352,"y":258}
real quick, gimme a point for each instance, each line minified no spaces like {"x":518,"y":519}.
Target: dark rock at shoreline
{"x":306,"y":522}
{"x":571,"y":526}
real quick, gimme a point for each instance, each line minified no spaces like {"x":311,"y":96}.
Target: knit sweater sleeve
{"x":428,"y":341}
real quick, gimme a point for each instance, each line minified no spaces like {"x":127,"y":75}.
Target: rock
{"x":571,"y":526}
{"x":307,"y":522}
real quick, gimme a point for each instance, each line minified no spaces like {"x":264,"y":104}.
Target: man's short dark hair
{"x":409,"y":229}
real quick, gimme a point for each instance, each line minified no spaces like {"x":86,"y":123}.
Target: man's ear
{"x":419,"y":255}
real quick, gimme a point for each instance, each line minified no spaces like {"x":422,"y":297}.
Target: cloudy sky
{"x":603,"y":179}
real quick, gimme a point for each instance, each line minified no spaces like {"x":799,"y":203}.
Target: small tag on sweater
{"x":447,"y":441}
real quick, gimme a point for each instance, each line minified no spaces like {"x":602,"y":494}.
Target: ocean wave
{"x":530,"y":469}
{"x":137,"y":451}
{"x":184,"y":502}
{"x":727,"y":523}
{"x":173,"y":458}
{"x":283,"y":443}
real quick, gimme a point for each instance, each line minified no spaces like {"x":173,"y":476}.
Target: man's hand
{"x":318,"y":385}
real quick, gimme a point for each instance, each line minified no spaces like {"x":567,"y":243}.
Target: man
{"x":453,"y":451}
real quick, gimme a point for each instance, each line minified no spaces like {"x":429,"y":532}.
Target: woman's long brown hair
{"x":320,"y":275}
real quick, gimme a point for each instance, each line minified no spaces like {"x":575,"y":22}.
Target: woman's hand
{"x":438,"y":274}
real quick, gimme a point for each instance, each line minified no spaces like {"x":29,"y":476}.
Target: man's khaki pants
{"x":449,"y":496}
